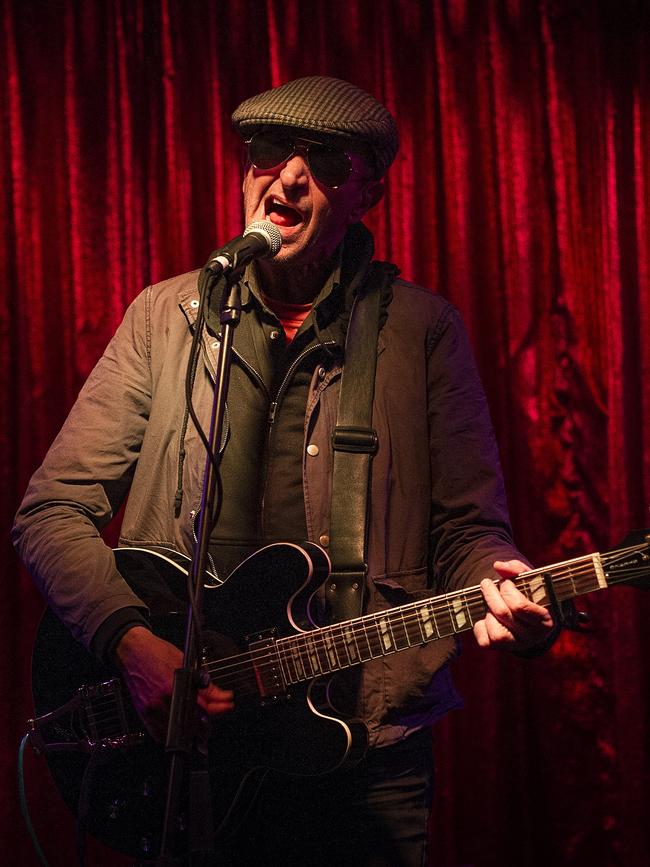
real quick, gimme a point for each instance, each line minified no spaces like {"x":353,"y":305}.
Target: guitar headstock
{"x":629,"y":563}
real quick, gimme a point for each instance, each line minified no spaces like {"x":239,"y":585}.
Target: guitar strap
{"x":354,"y":442}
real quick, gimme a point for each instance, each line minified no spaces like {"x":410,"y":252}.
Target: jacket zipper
{"x":283,"y":385}
{"x":273,"y":408}
{"x":256,"y":376}
{"x":194,"y":514}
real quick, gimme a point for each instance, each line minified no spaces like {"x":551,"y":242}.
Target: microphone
{"x":260,"y":239}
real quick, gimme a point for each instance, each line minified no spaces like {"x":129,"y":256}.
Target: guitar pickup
{"x":266,"y":666}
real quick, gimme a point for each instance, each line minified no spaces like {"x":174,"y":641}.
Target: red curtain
{"x":521,"y":193}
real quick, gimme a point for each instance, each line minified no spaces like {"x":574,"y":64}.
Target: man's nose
{"x":294,"y":171}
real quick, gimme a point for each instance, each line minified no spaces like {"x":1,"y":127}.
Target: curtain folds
{"x":521,"y":193}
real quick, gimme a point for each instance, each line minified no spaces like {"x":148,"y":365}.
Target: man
{"x":317,"y":151}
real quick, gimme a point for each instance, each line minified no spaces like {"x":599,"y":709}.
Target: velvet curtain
{"x":521,"y":193}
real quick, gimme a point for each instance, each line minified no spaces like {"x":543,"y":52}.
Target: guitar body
{"x":265,"y":643}
{"x":118,"y":789}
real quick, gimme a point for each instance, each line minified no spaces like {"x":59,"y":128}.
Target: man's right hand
{"x":148,"y":664}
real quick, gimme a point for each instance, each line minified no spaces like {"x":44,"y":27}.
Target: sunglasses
{"x":329,"y":165}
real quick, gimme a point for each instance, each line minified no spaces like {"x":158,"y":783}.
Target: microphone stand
{"x":182,"y":736}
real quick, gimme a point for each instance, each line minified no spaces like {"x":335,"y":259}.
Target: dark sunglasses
{"x":329,"y":165}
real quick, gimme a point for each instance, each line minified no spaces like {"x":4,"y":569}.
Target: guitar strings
{"x":105,"y":707}
{"x":245,"y":664}
{"x":474,"y":603}
{"x":406,"y":617}
{"x":573,"y":575}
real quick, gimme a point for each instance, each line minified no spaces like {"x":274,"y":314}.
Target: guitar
{"x":113,"y":775}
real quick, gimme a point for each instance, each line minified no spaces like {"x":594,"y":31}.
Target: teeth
{"x":276,"y":201}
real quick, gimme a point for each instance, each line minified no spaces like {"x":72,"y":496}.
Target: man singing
{"x":317,"y":150}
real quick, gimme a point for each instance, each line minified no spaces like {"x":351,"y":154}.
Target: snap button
{"x":324,"y":540}
{"x":274,"y":335}
{"x":312,"y":449}
{"x":321,"y":373}
{"x":194,"y":302}
{"x":215,"y":345}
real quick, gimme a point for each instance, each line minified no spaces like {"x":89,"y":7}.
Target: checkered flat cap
{"x":325,"y":105}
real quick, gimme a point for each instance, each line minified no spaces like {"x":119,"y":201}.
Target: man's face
{"x":311,"y":217}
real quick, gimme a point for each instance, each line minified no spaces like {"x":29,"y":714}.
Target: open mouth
{"x":281,"y":213}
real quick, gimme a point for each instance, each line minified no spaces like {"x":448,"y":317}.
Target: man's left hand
{"x":513,"y":622}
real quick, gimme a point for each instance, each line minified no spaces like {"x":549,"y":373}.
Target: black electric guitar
{"x":265,"y":643}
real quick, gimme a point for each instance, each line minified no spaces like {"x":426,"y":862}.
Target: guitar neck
{"x":343,"y":645}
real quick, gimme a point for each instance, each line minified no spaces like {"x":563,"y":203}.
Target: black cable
{"x":24,"y":809}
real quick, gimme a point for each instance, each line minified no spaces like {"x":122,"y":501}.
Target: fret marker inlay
{"x":425,"y":617}
{"x":461,"y":619}
{"x":385,"y":635}
{"x":297,"y":661}
{"x":350,"y":643}
{"x":331,"y":652}
{"x":313,"y":656}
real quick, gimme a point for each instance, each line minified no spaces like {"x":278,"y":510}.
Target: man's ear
{"x":371,"y":193}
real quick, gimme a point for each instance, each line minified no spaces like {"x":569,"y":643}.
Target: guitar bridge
{"x":266,"y":666}
{"x":94,"y":718}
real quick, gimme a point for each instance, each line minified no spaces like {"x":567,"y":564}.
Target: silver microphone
{"x":260,"y":240}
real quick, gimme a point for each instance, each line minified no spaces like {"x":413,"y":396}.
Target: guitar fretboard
{"x":342,"y":645}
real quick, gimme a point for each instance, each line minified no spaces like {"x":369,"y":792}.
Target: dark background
{"x":521,"y":193}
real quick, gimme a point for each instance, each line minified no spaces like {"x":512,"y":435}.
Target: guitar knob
{"x":115,"y":808}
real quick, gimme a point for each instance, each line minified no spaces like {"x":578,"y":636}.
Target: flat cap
{"x":325,"y":105}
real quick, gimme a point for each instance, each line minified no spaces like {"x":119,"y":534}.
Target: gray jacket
{"x":438,"y":513}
